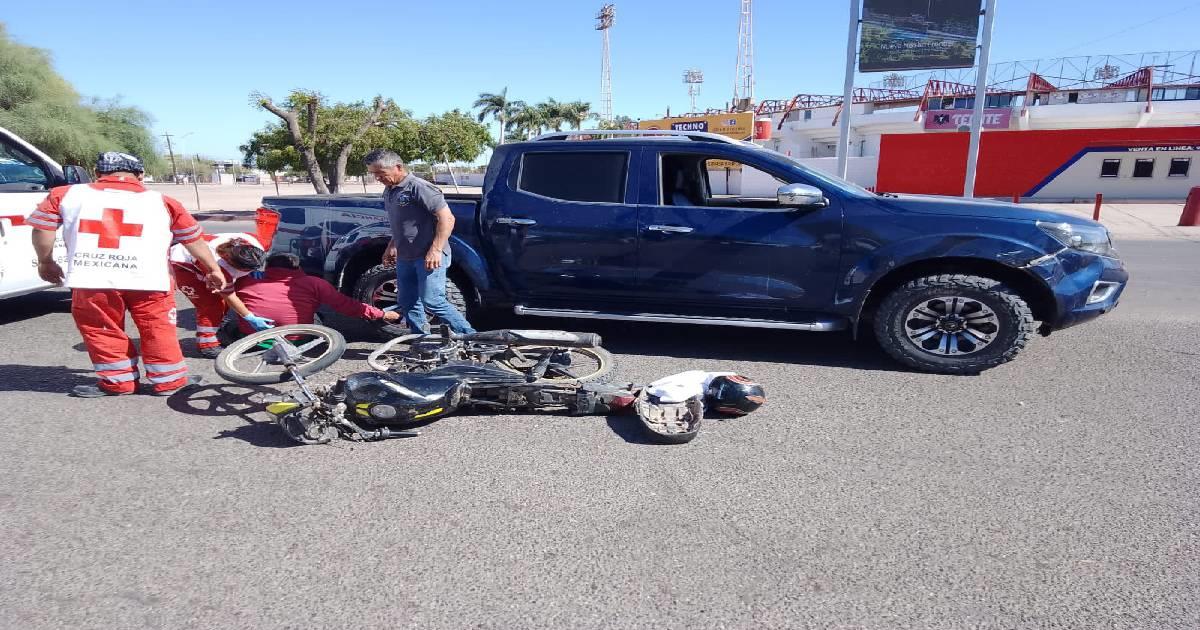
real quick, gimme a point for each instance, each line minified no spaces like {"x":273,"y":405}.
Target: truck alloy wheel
{"x":953,"y":324}
{"x":377,"y":287}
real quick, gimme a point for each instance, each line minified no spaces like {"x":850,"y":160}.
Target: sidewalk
{"x":1140,"y":221}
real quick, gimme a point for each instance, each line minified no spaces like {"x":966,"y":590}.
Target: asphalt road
{"x":1058,"y":491}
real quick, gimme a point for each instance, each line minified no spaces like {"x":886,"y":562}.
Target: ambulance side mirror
{"x":76,"y":174}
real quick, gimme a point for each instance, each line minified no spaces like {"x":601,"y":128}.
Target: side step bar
{"x":827,"y":325}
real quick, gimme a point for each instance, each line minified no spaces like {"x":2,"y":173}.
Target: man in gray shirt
{"x":420,"y":246}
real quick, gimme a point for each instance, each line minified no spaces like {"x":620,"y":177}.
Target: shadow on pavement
{"x":629,"y":428}
{"x":263,"y":434}
{"x":53,"y":379}
{"x":722,"y":343}
{"x":219,"y":400}
{"x":232,"y":401}
{"x":19,"y":309}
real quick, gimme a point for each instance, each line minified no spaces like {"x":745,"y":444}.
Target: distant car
{"x":248,"y":179}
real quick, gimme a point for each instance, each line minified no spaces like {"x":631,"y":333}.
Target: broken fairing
{"x":670,"y":422}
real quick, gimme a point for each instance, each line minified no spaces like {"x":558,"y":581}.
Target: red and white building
{"x":1125,"y":126}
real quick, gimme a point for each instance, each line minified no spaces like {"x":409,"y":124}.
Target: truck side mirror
{"x":801,"y":196}
{"x":76,"y":174}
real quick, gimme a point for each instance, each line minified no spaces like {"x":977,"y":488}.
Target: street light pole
{"x":989,"y":16}
{"x":843,"y":149}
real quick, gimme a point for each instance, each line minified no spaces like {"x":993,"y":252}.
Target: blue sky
{"x":192,"y":64}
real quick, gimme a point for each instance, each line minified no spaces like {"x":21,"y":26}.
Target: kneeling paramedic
{"x":118,"y":235}
{"x":237,"y":255}
{"x":286,"y":295}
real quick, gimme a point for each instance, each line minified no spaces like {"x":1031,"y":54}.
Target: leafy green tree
{"x":324,"y":135}
{"x":618,"y":122}
{"x":37,"y":104}
{"x":453,"y":137}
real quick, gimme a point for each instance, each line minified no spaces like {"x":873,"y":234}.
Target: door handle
{"x":515,"y":221}
{"x":670,"y":229}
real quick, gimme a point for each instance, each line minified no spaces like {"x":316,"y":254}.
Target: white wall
{"x":464,"y":179}
{"x":1082,"y":180}
{"x":754,"y":183}
{"x":860,"y":170}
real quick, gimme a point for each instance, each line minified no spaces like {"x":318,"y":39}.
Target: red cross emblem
{"x":111,"y":227}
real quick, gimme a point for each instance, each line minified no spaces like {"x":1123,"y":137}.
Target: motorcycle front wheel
{"x":261,"y":358}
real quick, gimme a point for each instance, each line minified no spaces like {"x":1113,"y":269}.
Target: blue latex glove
{"x":259,"y":323}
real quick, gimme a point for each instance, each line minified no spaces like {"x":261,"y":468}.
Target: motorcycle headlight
{"x":383,"y":412}
{"x":1088,"y":238}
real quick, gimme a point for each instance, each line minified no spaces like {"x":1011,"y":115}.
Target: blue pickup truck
{"x":696,"y":228}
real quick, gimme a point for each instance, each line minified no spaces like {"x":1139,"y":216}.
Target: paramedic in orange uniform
{"x":118,"y":235}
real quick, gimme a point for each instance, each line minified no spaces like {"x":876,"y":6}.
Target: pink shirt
{"x":290,"y":296}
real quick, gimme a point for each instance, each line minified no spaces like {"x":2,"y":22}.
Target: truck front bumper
{"x":1084,"y":285}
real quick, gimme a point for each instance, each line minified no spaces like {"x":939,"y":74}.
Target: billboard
{"x":918,"y":34}
{"x":739,"y":126}
{"x":993,"y":118}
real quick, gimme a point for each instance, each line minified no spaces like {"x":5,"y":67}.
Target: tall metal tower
{"x":604,"y":21}
{"x":693,"y":78}
{"x":743,"y":85}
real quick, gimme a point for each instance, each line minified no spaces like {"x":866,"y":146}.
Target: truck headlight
{"x":1088,"y":238}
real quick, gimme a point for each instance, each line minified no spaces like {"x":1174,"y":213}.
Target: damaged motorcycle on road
{"x":420,"y":378}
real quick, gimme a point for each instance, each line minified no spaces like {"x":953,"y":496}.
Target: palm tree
{"x":498,"y":107}
{"x":553,"y":114}
{"x":576,"y":112}
{"x":529,"y":120}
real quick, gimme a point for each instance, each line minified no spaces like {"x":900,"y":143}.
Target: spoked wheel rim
{"x":950,"y":326}
{"x":397,"y":354}
{"x":585,"y":363}
{"x":257,"y":355}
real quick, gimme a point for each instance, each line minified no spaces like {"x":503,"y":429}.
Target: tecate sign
{"x":955,"y":119}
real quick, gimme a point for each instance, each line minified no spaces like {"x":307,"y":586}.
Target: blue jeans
{"x":418,"y":289}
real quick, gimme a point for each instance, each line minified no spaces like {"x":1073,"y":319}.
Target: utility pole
{"x":195,"y":182}
{"x":174,"y":173}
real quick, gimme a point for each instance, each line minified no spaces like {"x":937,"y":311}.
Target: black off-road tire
{"x":1013,"y":317}
{"x":367,"y":290}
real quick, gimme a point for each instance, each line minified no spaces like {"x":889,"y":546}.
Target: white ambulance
{"x":26,"y":176}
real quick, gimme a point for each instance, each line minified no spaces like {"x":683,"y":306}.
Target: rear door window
{"x":586,"y":176}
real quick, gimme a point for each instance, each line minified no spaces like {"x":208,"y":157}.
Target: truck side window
{"x":689,"y":179}
{"x":21,"y":172}
{"x":593,"y":176}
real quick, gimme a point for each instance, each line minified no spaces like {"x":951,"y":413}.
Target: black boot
{"x":194,"y":379}
{"x":93,"y":391}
